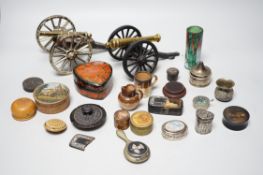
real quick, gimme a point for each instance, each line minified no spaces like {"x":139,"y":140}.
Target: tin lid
{"x":31,"y":83}
{"x":141,"y":119}
{"x":174,"y":129}
{"x":235,"y":118}
{"x":51,"y":93}
{"x":174,"y":90}
{"x":88,"y":117}
{"x":201,"y":102}
{"x":55,"y":126}
{"x":96,"y":73}
{"x":204,"y":115}
{"x":200,"y":70}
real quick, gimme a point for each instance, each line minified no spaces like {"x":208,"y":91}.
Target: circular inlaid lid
{"x":137,"y":152}
{"x":235,"y":117}
{"x":23,"y":109}
{"x":31,"y":83}
{"x":200,"y":70}
{"x":204,"y":115}
{"x":174,"y":90}
{"x":88,"y":116}
{"x":141,"y":119}
{"x":55,"y":125}
{"x":201,"y":102}
{"x":174,"y":129}
{"x":51,"y":93}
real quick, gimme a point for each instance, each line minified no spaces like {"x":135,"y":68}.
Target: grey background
{"x":232,"y":48}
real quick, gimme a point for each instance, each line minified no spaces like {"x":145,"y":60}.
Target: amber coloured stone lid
{"x":200,"y":70}
{"x":96,"y":73}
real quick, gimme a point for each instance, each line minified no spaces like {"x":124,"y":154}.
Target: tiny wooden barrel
{"x":122,"y":119}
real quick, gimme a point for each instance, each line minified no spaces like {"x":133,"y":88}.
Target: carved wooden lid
{"x":88,"y":117}
{"x":174,"y":90}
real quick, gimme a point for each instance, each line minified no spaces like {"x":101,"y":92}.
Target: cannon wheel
{"x":52,"y":23}
{"x":125,"y":31}
{"x":140,"y":56}
{"x":69,"y":52}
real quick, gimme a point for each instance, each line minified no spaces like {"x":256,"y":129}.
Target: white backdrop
{"x":232,"y":48}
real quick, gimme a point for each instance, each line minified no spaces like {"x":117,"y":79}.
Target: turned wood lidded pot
{"x":93,"y":79}
{"x":200,"y":75}
{"x":129,"y":98}
{"x":174,"y":90}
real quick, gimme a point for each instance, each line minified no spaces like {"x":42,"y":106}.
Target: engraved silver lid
{"x":204,"y":115}
{"x":174,"y":129}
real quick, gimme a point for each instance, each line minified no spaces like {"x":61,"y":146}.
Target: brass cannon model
{"x":68,"y":48}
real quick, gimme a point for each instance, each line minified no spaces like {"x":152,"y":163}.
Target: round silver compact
{"x":174,"y":130}
{"x":134,"y":151}
{"x":201,"y":102}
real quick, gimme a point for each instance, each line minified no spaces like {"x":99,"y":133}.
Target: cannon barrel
{"x":61,"y":33}
{"x":52,"y":33}
{"x":120,"y":42}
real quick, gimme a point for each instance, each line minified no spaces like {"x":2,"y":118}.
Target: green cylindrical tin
{"x":194,"y":35}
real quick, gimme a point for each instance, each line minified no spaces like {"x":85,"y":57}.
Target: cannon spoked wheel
{"x":70,"y":51}
{"x":125,"y":31}
{"x":140,"y":56}
{"x":52,"y":24}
